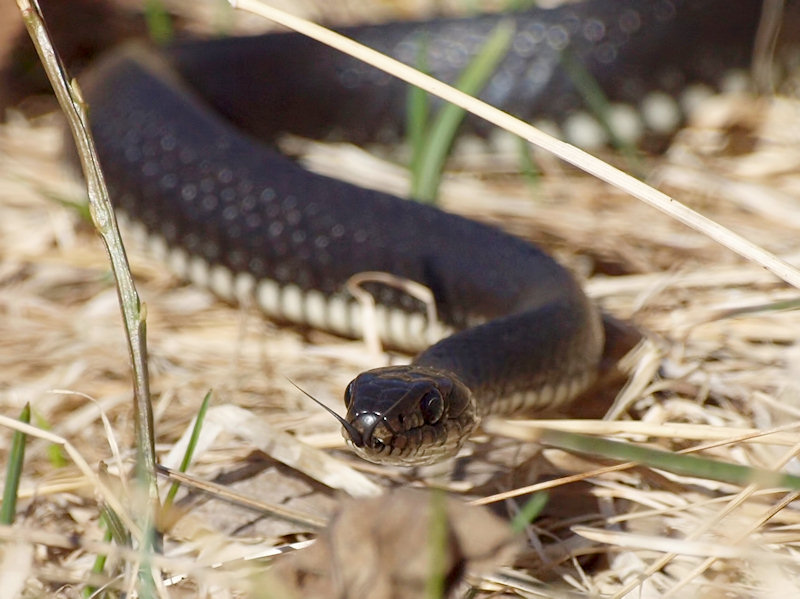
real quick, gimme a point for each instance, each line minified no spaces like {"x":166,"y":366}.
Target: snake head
{"x":408,"y":415}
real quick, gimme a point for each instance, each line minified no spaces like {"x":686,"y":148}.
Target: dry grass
{"x":653,"y":533}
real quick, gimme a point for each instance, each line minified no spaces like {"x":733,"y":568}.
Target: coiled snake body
{"x":229,"y":211}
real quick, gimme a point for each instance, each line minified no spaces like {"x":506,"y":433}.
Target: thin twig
{"x":69,"y":98}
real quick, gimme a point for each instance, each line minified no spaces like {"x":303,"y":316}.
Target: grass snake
{"x":185,"y":137}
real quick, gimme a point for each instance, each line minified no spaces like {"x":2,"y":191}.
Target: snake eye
{"x":432,"y":406}
{"x":348,"y":395}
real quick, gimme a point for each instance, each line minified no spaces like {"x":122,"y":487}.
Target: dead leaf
{"x":389,"y":548}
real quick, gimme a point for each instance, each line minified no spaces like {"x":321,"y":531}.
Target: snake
{"x":186,"y":136}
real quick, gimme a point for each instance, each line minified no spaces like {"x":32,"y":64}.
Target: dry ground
{"x":62,"y":350}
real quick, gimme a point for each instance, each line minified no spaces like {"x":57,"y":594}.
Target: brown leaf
{"x":387,"y":548}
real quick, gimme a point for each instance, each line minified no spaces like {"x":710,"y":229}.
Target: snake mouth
{"x":399,"y":450}
{"x":378,"y":442}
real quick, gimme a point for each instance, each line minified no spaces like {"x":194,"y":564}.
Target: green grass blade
{"x":527,"y":166}
{"x":519,"y":5}
{"x":192,"y":445}
{"x":530,"y":511}
{"x":116,"y":527}
{"x":14,"y":471}
{"x":438,"y":541}
{"x":100,"y":561}
{"x":159,"y":23}
{"x":598,"y":104}
{"x":54,"y":452}
{"x":677,"y":463}
{"x":147,"y":584}
{"x":430,"y":162}
{"x":418,"y":105}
